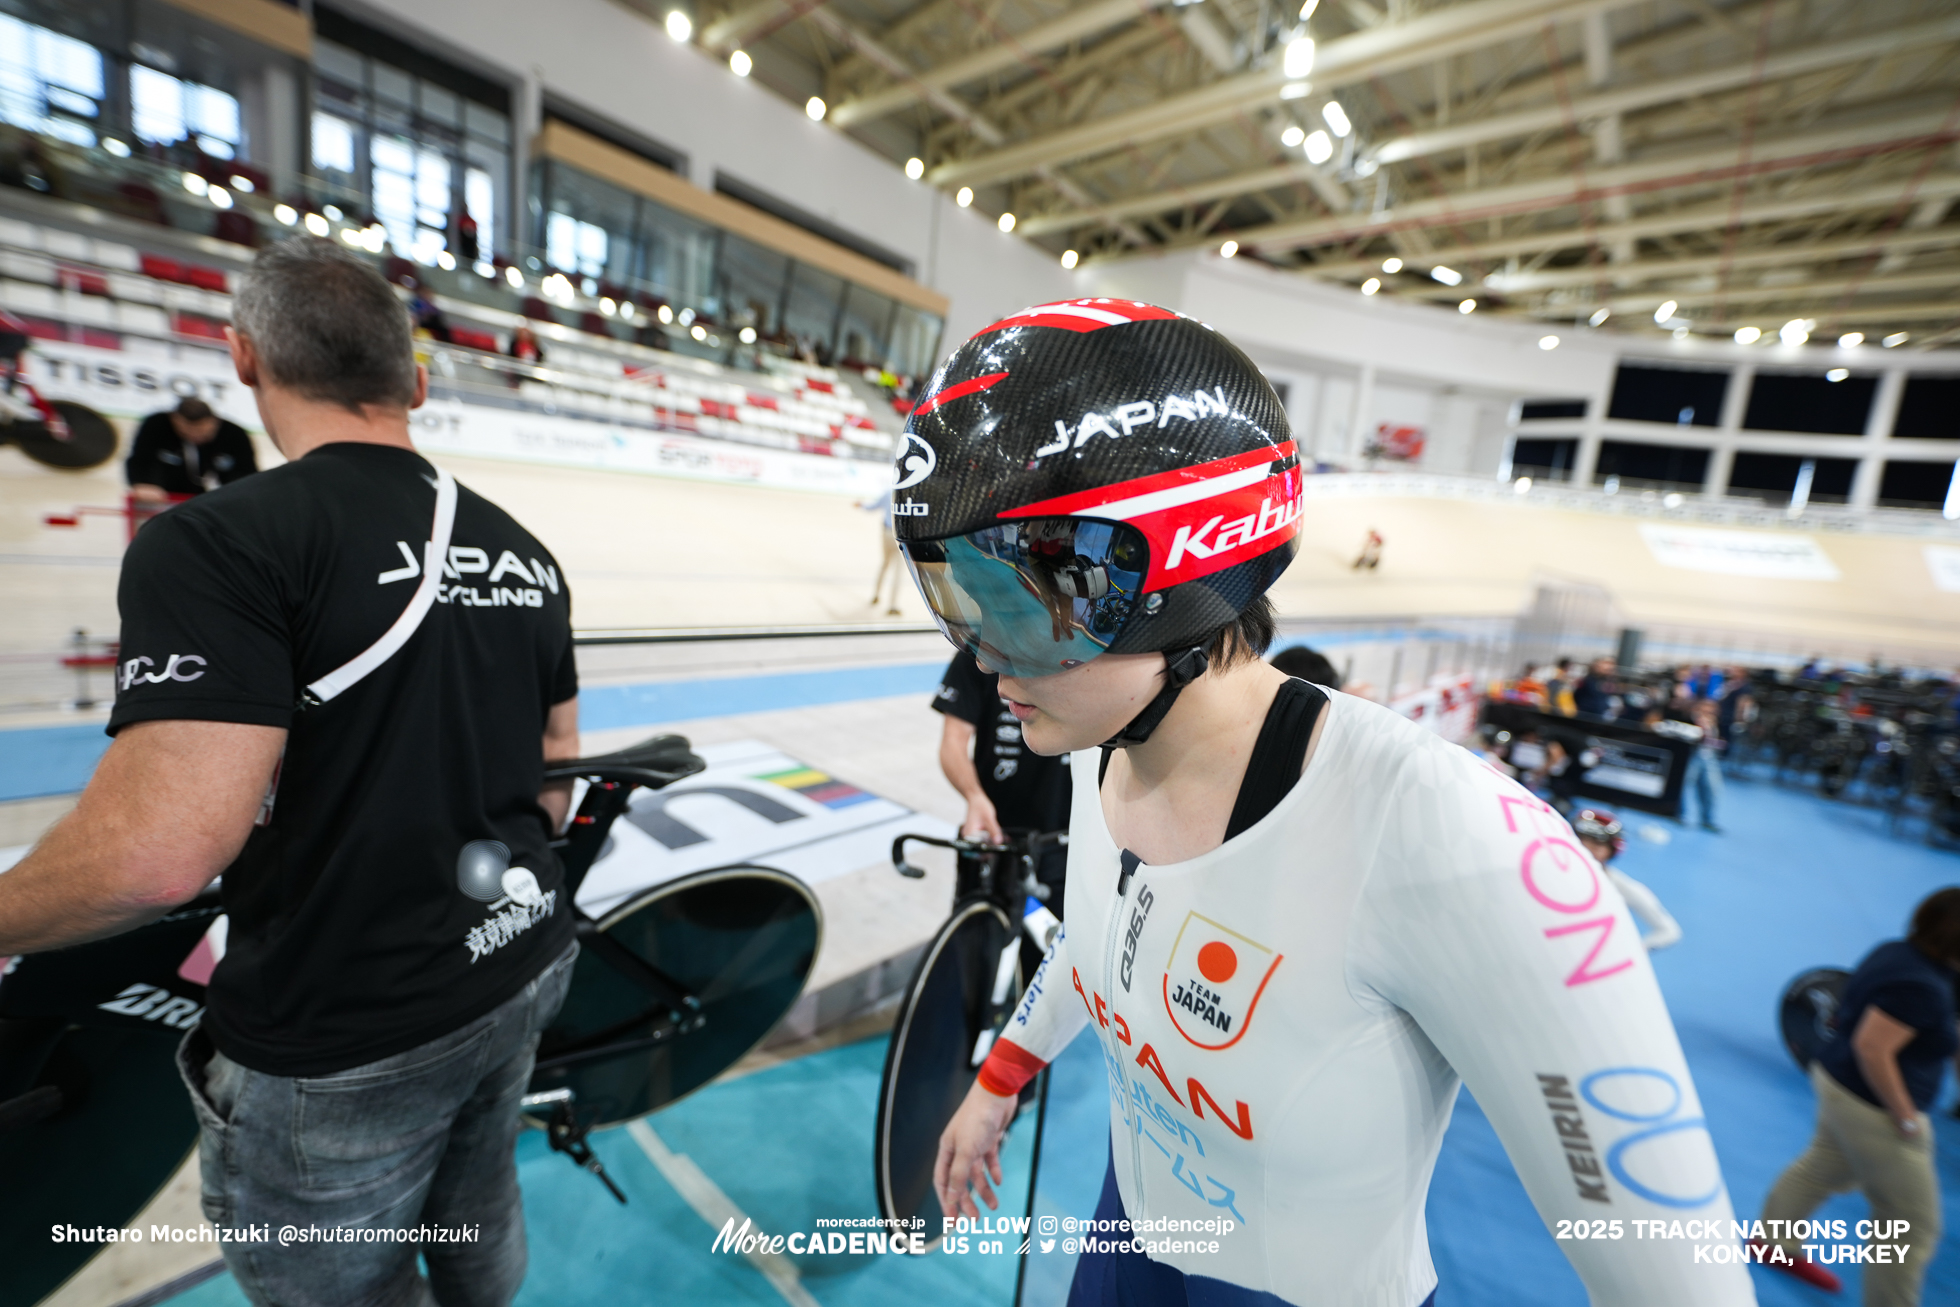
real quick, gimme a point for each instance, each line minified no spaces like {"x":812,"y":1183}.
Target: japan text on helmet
{"x":1095,"y":476}
{"x":1599,"y":824}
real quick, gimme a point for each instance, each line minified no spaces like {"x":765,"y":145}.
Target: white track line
{"x":717,"y":1209}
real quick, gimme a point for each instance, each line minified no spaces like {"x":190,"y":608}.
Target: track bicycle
{"x":672,"y":987}
{"x":58,"y":433}
{"x":966,"y":986}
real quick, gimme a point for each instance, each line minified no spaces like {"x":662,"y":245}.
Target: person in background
{"x":888,"y":561}
{"x":1704,"y":778}
{"x":524,"y":345}
{"x":1370,"y":556}
{"x":1875,"y":1080}
{"x":187,"y":451}
{"x":1604,"y":837}
{"x":1008,"y":788}
{"x":1593,"y":696}
{"x":1308,"y":665}
{"x":1558,"y":689}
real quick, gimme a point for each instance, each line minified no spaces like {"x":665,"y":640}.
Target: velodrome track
{"x":651,"y":551}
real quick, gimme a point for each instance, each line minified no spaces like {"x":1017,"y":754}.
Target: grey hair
{"x":326,"y":325}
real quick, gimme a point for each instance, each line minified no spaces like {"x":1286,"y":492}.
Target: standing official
{"x":187,"y":451}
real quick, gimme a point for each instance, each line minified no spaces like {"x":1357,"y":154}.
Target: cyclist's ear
{"x":244,"y":358}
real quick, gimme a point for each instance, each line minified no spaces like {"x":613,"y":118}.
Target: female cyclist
{"x":1296,"y":923}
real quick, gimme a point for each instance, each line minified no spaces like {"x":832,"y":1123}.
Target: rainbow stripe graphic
{"x":820,"y":786}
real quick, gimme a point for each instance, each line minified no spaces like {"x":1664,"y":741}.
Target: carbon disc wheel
{"x":1807,"y":1015}
{"x":91,"y":440}
{"x":929,"y":1064}
{"x":740,"y":939}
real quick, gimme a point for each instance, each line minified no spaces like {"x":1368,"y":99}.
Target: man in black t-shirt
{"x":185,"y":452}
{"x":1006,"y":785}
{"x":398,"y":932}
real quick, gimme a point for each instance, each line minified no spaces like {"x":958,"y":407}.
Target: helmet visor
{"x":1033,"y":597}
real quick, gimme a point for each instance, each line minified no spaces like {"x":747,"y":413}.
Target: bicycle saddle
{"x":659,"y":761}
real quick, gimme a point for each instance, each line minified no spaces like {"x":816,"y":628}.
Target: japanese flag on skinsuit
{"x":1214,"y":980}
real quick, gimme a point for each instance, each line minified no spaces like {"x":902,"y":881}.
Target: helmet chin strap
{"x":1181,"y":667}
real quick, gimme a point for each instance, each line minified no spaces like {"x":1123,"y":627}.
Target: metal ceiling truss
{"x":1742,"y":158}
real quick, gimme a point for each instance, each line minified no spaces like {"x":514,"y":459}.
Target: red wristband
{"x":1007,"y":1068}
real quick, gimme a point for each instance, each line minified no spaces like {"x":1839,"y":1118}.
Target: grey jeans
{"x":419,"y":1141}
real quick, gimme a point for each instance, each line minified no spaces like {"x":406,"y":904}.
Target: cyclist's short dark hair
{"x":1936,"y":925}
{"x":1248,"y":637}
{"x":326,"y":325}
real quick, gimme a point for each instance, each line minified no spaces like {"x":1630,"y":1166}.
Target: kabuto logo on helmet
{"x":1198,"y":520}
{"x":1082,"y":315}
{"x":914,"y":467}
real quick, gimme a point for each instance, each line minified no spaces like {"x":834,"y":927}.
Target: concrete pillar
{"x":1362,"y":414}
{"x":526,"y":121}
{"x":1878,"y":432}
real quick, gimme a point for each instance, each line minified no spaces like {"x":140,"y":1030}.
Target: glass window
{"x":433,"y":167}
{"x":864,"y":331}
{"x":165,"y":110}
{"x":915,"y":341}
{"x":815,"y":298}
{"x":679,"y":258}
{"x":752,"y":283}
{"x":49,"y":82}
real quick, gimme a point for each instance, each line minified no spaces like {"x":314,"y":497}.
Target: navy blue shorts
{"x":1130,"y":1279}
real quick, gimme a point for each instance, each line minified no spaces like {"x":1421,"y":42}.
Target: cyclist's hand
{"x":981,"y":821}
{"x":969,"y":1152}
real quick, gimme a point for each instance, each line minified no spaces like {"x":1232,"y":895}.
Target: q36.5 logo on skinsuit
{"x":916,"y":464}
{"x":1214,"y":981}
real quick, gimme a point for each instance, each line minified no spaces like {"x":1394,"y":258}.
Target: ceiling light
{"x":740,"y":64}
{"x":1599,"y":316}
{"x":195,"y":184}
{"x":687,"y":316}
{"x":1837,"y":374}
{"x":965,"y":197}
{"x":1006,"y":222}
{"x":349,"y":236}
{"x":665,"y":314}
{"x":1468,"y":306}
{"x":626,"y":309}
{"x":1665,"y":311}
{"x":515,"y":278}
{"x":915,"y":168}
{"x":1391,"y":264}
{"x":286,"y":214}
{"x":1522,"y":485}
{"x":118,"y":148}
{"x":220,"y":197}
{"x":1370,"y":286}
{"x":815,"y":108}
{"x":445,"y":260}
{"x":698,"y":331}
{"x":1306,"y":10}
{"x":1070,"y":258}
{"x":331,"y":212}
{"x":679,"y":25}
{"x":1320,"y":147}
{"x":1228,"y":250}
{"x":242,"y":184}
{"x":1851,"y":340}
{"x":746,"y":335}
{"x":1548,"y":342}
{"x":1448,"y":276}
{"x":1748,"y":335}
{"x":374,"y":238}
{"x":1299,"y":57}
{"x":1681,"y":332}
{"x":1336,"y":117}
{"x":1896,"y":339}
{"x":316,"y":224}
{"x":1292,"y":136}
{"x":1295,"y":90}
{"x":1671,"y":500}
{"x":1795,"y":332}
{"x":608,"y":306}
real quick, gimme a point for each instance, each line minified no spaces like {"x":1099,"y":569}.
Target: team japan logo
{"x":1214,"y":982}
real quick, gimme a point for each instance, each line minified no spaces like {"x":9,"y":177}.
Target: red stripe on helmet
{"x":1204,"y":519}
{"x":970,"y":387}
{"x":1082,"y":315}
{"x":1082,"y":502}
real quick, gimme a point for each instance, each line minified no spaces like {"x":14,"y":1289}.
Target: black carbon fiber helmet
{"x":1095,"y":476}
